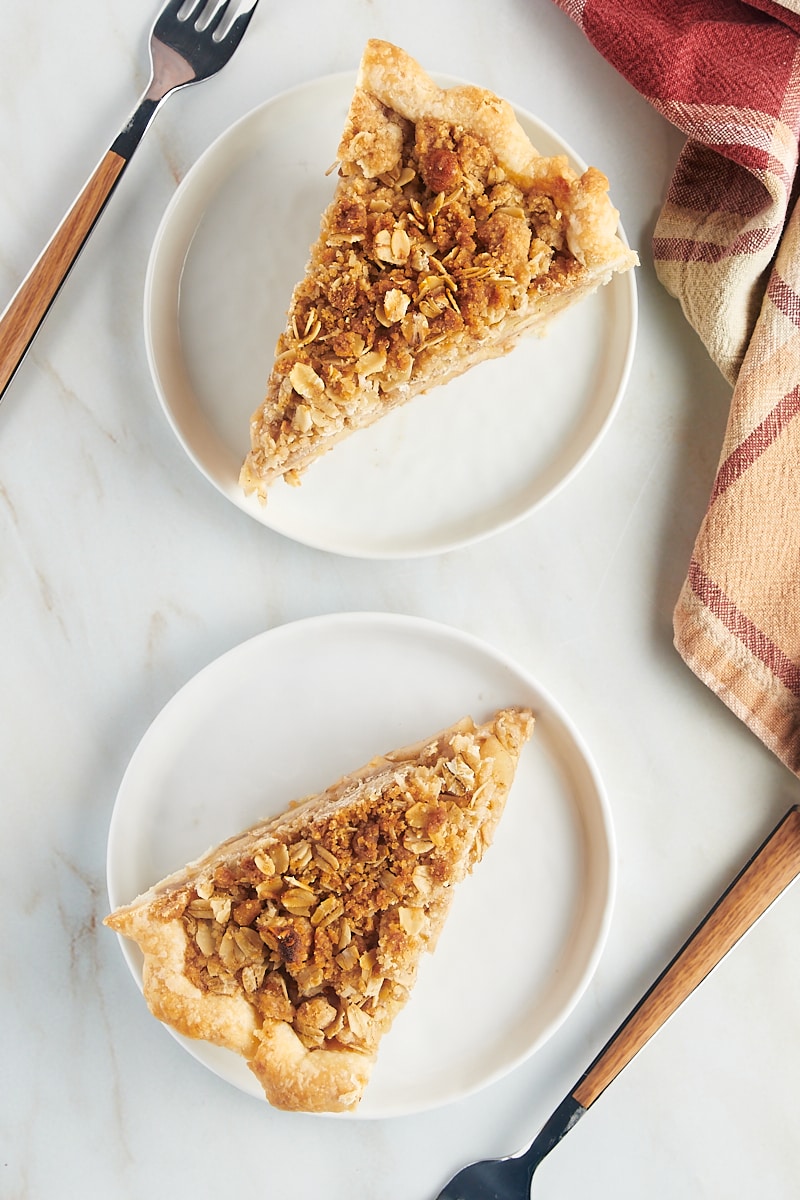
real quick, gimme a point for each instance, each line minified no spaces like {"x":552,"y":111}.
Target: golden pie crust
{"x":447,"y":239}
{"x":296,"y":943}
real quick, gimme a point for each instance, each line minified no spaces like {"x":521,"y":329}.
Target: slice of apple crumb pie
{"x":297,"y":942}
{"x":448,"y":238}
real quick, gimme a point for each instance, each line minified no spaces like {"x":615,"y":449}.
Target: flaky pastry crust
{"x":297,"y":942}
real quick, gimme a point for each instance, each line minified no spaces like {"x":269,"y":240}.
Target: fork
{"x":771,"y":869}
{"x":189,"y":41}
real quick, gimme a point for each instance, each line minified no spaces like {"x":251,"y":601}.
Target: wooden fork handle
{"x":28,"y":308}
{"x":771,"y":869}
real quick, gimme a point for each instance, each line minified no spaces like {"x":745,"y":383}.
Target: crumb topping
{"x":321,"y":921}
{"x":427,"y":246}
{"x":295,"y":943}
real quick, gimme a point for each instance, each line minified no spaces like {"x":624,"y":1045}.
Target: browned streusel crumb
{"x":303,"y":935}
{"x":321,"y":917}
{"x":447,"y":238}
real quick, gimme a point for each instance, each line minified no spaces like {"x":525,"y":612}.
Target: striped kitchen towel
{"x":727,"y":245}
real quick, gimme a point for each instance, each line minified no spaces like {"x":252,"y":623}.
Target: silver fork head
{"x":201,"y":34}
{"x":190,"y":40}
{"x":493,"y":1179}
{"x":510,"y":1178}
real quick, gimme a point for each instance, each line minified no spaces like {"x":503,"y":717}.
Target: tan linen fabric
{"x":727,"y":246}
{"x":737,"y":621}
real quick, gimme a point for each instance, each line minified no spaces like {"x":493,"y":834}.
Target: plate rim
{"x":389,"y":622}
{"x":625,"y":285}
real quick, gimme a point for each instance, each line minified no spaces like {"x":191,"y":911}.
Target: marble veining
{"x":123,"y":573}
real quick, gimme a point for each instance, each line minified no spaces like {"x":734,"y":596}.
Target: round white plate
{"x":466,"y":461}
{"x":290,"y":711}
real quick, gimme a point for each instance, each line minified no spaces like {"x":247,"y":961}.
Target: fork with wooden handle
{"x":771,"y":869}
{"x":189,"y":41}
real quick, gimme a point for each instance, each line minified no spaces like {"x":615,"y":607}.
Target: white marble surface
{"x":122,"y":572}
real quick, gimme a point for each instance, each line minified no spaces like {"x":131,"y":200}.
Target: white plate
{"x":457,"y":465}
{"x":290,"y":711}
